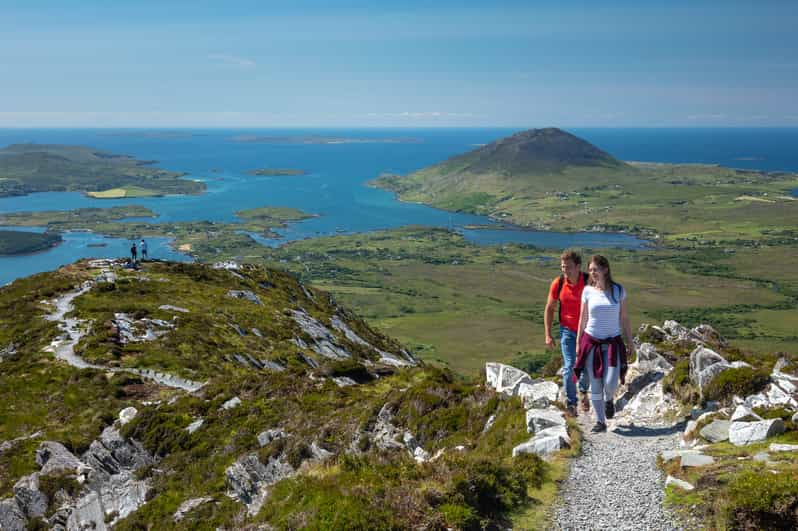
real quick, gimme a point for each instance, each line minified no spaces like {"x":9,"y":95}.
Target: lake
{"x":334,"y":186}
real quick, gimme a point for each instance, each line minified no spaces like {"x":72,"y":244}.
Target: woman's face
{"x":597,"y":273}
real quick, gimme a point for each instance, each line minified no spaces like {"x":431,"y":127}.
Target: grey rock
{"x":324,"y":342}
{"x":545,"y":442}
{"x":696,"y":460}
{"x":54,"y":458}
{"x":743,"y":413}
{"x":194,"y":426}
{"x":675,"y":331}
{"x":762,"y":457}
{"x":505,"y":378}
{"x":265,"y":437}
{"x":489,"y":423}
{"x":170,"y":308}
{"x":676,"y":482}
{"x":188,"y":506}
{"x":240,"y":331}
{"x":232,"y":403}
{"x":127,"y":414}
{"x":319,"y":453}
{"x":538,"y":394}
{"x":343,"y":381}
{"x":29,"y":498}
{"x":716,"y":431}
{"x":704,"y":333}
{"x":648,"y":359}
{"x":245,"y":295}
{"x":230,"y":265}
{"x":705,"y":365}
{"x":742,"y":433}
{"x":783,"y":447}
{"x":384,"y":434}
{"x":248,"y":479}
{"x":11,"y":516}
{"x":8,"y":352}
{"x":540,"y":419}
{"x":257,"y":332}
{"x":87,"y":513}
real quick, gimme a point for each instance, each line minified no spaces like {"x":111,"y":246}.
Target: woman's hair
{"x":602,"y":262}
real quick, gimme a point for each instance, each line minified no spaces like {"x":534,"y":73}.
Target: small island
{"x":30,"y":168}
{"x":276,"y":172}
{"x":13,"y":242}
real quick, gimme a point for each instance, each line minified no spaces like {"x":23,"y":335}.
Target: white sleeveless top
{"x":604,"y":315}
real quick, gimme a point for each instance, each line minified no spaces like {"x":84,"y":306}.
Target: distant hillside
{"x":22,"y":242}
{"x":550,"y":179}
{"x":28,"y":168}
{"x":530,"y":152}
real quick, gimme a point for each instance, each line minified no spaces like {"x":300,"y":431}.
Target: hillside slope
{"x":190,"y":396}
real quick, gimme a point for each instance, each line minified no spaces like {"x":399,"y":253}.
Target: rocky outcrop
{"x":8,"y":352}
{"x":131,"y":330}
{"x":539,"y":394}
{"x":716,"y":431}
{"x":706,"y":364}
{"x":244,"y":295}
{"x":104,"y":475}
{"x":248,"y":479}
{"x":323,"y":341}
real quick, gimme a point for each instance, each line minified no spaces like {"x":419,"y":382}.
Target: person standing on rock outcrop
{"x":143,"y":246}
{"x":602,"y":355}
{"x":133,"y":252}
{"x":566,"y":291}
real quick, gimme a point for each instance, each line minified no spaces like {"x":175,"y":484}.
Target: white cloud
{"x":221,"y":59}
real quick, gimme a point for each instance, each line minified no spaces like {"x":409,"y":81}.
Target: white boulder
{"x":744,"y":414}
{"x":742,"y":433}
{"x":127,"y":414}
{"x":539,"y":394}
{"x":505,"y":378}
{"x":676,"y":482}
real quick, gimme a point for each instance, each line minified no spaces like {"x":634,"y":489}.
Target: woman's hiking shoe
{"x":570,"y":411}
{"x":609,"y":409}
{"x":585,"y":402}
{"x":600,"y":427}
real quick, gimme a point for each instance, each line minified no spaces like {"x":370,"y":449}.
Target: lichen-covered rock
{"x":742,"y":433}
{"x":324,"y":341}
{"x":11,"y":516}
{"x":539,"y":419}
{"x":232,"y":403}
{"x":706,"y":364}
{"x":266,"y":437}
{"x":716,"y":431}
{"x":696,"y":459}
{"x":539,"y":394}
{"x":54,"y":458}
{"x":248,"y":479}
{"x":30,"y":499}
{"x":245,"y":295}
{"x":648,"y":359}
{"x":505,"y":378}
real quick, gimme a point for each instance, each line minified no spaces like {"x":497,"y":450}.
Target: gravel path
{"x":615,"y":483}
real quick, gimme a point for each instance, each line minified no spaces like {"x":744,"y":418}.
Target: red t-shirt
{"x":570,"y":300}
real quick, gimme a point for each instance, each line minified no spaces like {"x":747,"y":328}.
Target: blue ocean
{"x":334,"y":187}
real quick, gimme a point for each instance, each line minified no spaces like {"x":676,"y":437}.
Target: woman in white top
{"x":603,"y":321}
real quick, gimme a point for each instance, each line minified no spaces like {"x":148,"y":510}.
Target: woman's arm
{"x":626,"y":328}
{"x":583,"y":315}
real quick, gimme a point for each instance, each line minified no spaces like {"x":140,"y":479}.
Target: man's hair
{"x":573,"y":256}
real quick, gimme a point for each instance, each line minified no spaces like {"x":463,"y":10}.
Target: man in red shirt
{"x":566,"y":291}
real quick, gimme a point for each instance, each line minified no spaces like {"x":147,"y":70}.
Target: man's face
{"x":569,"y":268}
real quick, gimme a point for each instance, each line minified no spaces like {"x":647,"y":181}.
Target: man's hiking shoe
{"x":600,"y":427}
{"x":585,"y":402}
{"x":609,"y":409}
{"x":570,"y":411}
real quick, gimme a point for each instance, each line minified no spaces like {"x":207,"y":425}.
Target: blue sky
{"x":431,"y":63}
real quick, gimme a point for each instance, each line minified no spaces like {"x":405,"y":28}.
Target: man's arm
{"x":548,"y":317}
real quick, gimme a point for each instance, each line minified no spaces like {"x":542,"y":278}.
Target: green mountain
{"x":550,"y":179}
{"x":189,"y":396}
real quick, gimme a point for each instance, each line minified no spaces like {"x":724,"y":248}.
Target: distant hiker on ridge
{"x":602,"y":351}
{"x":143,"y":246}
{"x":566,"y":291}
{"x":133,"y":252}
